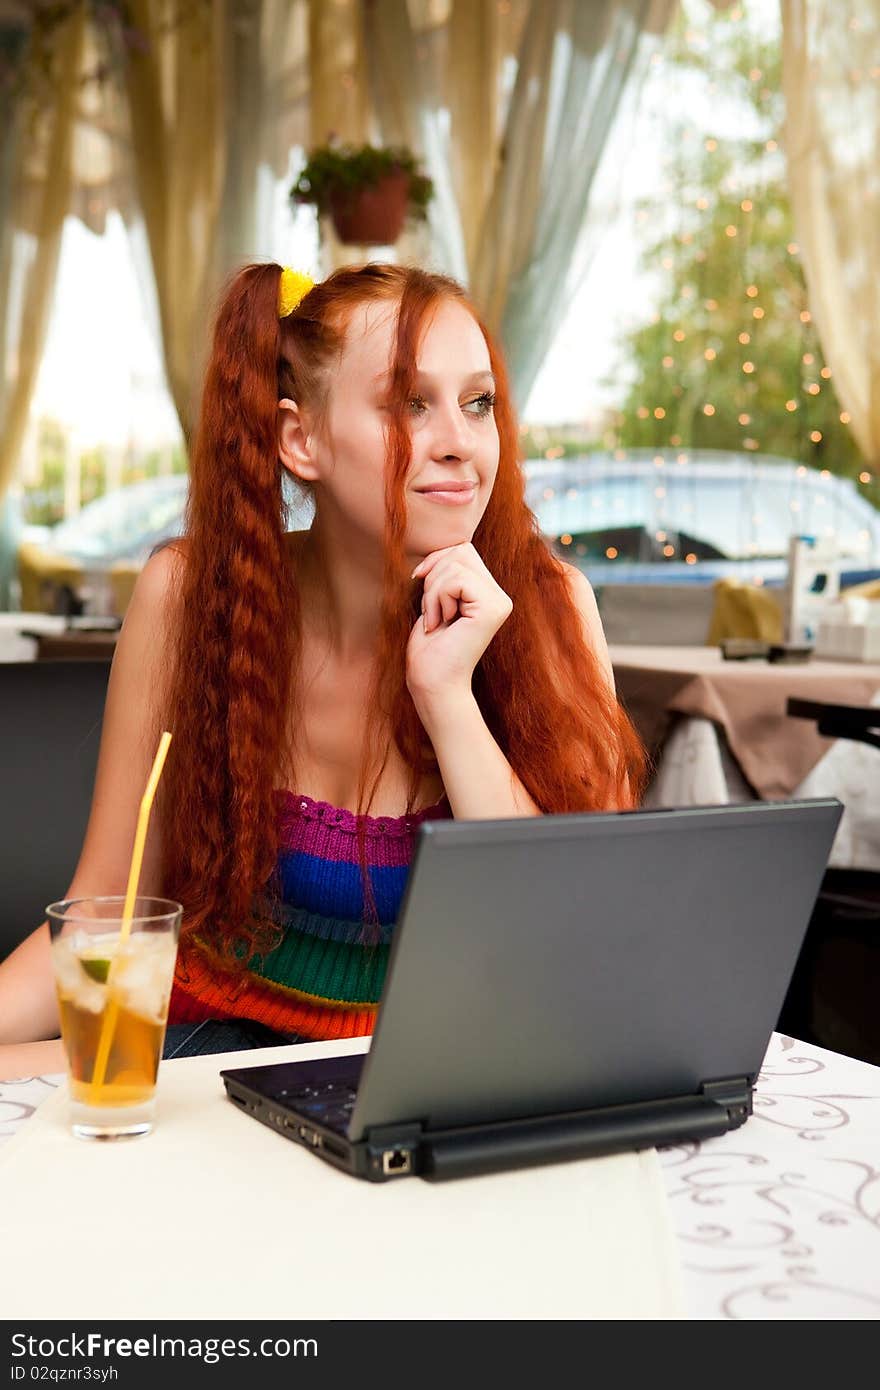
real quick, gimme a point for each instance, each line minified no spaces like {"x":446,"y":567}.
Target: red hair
{"x":540,"y":687}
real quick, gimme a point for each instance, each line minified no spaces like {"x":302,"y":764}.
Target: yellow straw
{"x":109,"y":1023}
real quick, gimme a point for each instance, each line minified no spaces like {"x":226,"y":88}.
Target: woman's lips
{"x":450,"y":497}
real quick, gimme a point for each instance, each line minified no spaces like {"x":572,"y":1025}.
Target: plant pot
{"x":371,"y":216}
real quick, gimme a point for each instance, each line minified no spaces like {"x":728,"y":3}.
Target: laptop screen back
{"x":587,"y":960}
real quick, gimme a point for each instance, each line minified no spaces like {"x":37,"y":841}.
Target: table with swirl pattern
{"x":778,"y":1219}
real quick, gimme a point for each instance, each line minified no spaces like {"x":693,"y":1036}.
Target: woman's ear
{"x":295,"y":442}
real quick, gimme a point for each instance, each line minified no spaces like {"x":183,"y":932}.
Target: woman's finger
{"x":443,"y":588}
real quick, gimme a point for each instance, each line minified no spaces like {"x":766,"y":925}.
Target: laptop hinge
{"x":733,"y":1094}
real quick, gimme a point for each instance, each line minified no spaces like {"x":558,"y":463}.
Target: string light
{"x":791,"y":405}
{"x":745,"y":338}
{"x":816,"y":436}
{"x":690,"y":558}
{"x":710,"y":354}
{"x":807,"y":359}
{"x":758,"y":313}
{"x":748,"y":367}
{"x":566,"y":539}
{"x":730,"y":230}
{"x":826,"y":373}
{"x":814,"y":388}
{"x":708,"y":409}
{"x":800,"y":471}
{"x":751,"y":291}
{"x":845,"y":417}
{"x":668,"y":361}
{"x":611,"y":552}
{"x":792,"y":248}
{"x":824,"y":472}
{"x":744,"y":419}
{"x":643,"y":412}
{"x":805,"y":316}
{"x":668,"y":551}
{"x":746,"y":205}
{"x":679,"y":335}
{"x":864,"y":477}
{"x":659,"y":413}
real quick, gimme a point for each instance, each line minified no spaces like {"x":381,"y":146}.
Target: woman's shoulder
{"x":584,"y":599}
{"x":149,"y":611}
{"x":581,"y":591}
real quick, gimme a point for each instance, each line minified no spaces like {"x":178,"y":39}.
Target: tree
{"x":731,"y":358}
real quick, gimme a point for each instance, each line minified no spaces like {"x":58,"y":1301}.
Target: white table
{"x":777,"y":1220}
{"x":14,"y":645}
{"x":215,"y":1216}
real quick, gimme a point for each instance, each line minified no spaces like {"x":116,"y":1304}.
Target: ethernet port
{"x":396,"y":1162}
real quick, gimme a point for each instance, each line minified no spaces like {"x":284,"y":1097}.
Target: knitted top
{"x":324,"y":977}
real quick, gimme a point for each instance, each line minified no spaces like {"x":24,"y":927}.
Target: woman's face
{"x":454,"y":456}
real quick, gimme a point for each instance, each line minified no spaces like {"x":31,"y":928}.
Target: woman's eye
{"x":482,"y":406}
{"x":417,"y":405}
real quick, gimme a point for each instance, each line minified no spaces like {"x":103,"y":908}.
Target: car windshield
{"x":721,"y":507}
{"x":126,"y":521}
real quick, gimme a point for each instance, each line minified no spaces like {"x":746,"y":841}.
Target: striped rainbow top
{"x":325,"y":976}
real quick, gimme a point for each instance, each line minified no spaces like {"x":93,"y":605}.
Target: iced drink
{"x":113,"y":1000}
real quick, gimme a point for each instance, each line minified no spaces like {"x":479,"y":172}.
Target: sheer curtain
{"x":35,"y":188}
{"x":212,"y":98}
{"x":831,"y":79}
{"x":511,"y":106}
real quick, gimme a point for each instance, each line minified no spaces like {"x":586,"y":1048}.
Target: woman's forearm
{"x":478,"y":779}
{"x":18,"y":1060}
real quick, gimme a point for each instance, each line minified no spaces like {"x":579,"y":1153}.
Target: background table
{"x":719,"y":732}
{"x":777,"y":1220}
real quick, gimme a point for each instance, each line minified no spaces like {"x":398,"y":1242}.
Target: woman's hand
{"x":462,"y":609}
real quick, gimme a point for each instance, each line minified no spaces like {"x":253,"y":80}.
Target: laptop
{"x":564,"y":986}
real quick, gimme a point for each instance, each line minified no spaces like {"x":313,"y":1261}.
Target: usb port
{"x":308,"y":1136}
{"x":396,"y":1162}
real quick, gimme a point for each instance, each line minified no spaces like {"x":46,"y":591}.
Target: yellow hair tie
{"x":292,"y":289}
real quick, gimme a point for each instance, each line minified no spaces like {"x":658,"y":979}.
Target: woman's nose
{"x":451,"y":435}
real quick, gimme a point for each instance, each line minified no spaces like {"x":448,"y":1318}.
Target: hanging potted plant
{"x":367,"y":191}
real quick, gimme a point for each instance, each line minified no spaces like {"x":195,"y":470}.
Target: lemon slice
{"x":95,"y":968}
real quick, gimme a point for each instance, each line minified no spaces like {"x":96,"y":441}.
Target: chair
{"x":833,"y":996}
{"x":744,"y":610}
{"x":50,"y":728}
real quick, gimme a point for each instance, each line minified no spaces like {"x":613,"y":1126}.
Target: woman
{"x":419,"y":652}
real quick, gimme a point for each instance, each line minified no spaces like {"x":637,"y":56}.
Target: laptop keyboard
{"x":330,"y":1103}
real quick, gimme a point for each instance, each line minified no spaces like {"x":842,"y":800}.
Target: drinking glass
{"x":113,"y":994}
